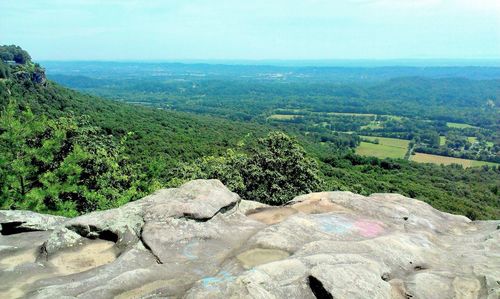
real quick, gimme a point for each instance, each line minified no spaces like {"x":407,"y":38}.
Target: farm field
{"x":284,"y":116}
{"x":401,"y":143}
{"x":442,"y":140}
{"x":366,"y":115}
{"x":352,"y":114}
{"x":373,"y":125}
{"x":386,"y":147}
{"x":472,"y":139}
{"x":459,"y":125}
{"x":380,"y":150}
{"x":280,"y":111}
{"x":435,"y":159}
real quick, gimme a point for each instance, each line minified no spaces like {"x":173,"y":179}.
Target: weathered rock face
{"x":37,"y":76}
{"x":202,"y":241}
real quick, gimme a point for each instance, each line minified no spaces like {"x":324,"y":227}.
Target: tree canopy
{"x":14,"y":53}
{"x":62,"y":165}
{"x":273,"y":172}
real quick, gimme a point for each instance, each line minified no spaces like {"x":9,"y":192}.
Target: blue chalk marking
{"x":210,"y":282}
{"x":334,"y":224}
{"x":227,"y":276}
{"x":188,"y":250}
{"x":213,"y":281}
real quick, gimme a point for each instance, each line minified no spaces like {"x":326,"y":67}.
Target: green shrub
{"x":274,"y":172}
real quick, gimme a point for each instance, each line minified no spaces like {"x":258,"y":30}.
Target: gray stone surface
{"x":201,"y":241}
{"x":28,"y":221}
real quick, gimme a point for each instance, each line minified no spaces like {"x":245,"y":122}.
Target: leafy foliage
{"x":4,"y":70}
{"x":279,"y":171}
{"x":273,"y":173}
{"x":14,"y":53}
{"x":61,"y":166}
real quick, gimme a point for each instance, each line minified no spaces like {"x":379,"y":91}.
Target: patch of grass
{"x":442,"y":140}
{"x":352,"y":114}
{"x":289,"y":110}
{"x":400,"y":143}
{"x":435,"y":159}
{"x":459,"y":125}
{"x":472,"y":139}
{"x":393,"y":117}
{"x":380,"y":150}
{"x":481,"y":163}
{"x":373,"y":125}
{"x":284,"y":116}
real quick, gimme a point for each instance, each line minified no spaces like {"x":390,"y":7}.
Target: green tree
{"x":15,"y":53}
{"x":279,"y":170}
{"x":62,"y":166}
{"x":227,"y":168}
{"x":4,"y":71}
{"x":5,"y":55}
{"x":16,"y":154}
{"x":273,"y":172}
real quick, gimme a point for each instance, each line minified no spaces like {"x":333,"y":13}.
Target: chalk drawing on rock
{"x":339,"y":225}
{"x":189,"y":249}
{"x":213,"y":282}
{"x":368,"y":228}
{"x":334,"y":224}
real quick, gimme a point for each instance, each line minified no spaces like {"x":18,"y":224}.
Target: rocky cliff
{"x":36,"y":75}
{"x":202,"y":241}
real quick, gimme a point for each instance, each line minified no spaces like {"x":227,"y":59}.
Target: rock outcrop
{"x":202,"y":241}
{"x":36,"y":76}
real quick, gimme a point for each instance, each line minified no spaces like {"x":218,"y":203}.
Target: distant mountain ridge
{"x":106,"y":69}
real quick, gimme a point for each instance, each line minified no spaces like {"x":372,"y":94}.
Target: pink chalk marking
{"x":368,"y":228}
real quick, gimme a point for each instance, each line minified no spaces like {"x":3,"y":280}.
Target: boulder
{"x":12,"y":222}
{"x":202,"y":241}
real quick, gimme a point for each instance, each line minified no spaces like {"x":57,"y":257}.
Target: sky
{"x":252,"y":29}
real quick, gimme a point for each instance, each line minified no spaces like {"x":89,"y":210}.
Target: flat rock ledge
{"x":202,"y":241}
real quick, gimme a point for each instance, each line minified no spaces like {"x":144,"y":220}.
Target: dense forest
{"x":420,"y":109}
{"x":66,"y":152}
{"x":435,"y":99}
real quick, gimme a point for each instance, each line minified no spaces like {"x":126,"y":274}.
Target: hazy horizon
{"x":342,"y":63}
{"x":279,"y":30}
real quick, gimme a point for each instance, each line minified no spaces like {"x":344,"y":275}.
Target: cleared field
{"x":472,"y":139}
{"x":380,"y":150}
{"x":366,"y":115}
{"x":428,"y":158}
{"x":442,"y":140}
{"x":459,"y":125}
{"x":352,"y":114}
{"x":284,"y":116}
{"x":373,"y":125}
{"x":401,"y":143}
{"x":285,"y":111}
